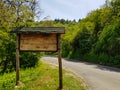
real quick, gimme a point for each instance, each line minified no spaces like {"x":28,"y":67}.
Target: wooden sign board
{"x":38,"y":42}
{"x":38,"y":39}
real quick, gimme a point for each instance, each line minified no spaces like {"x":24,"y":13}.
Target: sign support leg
{"x":60,"y":63}
{"x":17,"y":59}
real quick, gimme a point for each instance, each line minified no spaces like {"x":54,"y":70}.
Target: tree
{"x":115,"y":4}
{"x":109,"y":35}
{"x":47,"y":23}
{"x":14,"y":13}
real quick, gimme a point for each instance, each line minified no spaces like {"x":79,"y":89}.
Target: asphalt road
{"x":97,"y":77}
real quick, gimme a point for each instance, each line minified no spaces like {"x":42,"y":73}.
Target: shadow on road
{"x":102,"y":67}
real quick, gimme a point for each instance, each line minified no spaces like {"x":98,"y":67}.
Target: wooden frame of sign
{"x":39,"y":39}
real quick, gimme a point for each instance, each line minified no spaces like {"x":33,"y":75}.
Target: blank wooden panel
{"x":38,"y":42}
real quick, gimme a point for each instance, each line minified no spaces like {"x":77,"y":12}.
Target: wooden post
{"x":17,"y":59}
{"x":60,"y":62}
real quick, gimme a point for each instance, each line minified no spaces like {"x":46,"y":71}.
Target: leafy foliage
{"x":109,"y":35}
{"x":95,"y":38}
{"x":15,"y":13}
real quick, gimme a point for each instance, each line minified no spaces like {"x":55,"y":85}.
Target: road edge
{"x":75,"y":75}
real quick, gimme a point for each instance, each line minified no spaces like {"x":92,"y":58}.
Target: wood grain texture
{"x":38,"y":42}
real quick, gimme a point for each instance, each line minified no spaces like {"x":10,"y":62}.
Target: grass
{"x":42,"y":77}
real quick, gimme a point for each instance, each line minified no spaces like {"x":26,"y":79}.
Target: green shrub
{"x":103,"y":59}
{"x":29,"y":59}
{"x":91,"y":57}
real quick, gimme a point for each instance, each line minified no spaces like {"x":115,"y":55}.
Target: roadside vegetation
{"x":96,"y":38}
{"x":42,"y":77}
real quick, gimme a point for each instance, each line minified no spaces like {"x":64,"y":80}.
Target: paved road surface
{"x":96,"y":76}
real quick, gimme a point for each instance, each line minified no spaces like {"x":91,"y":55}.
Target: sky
{"x":68,"y":9}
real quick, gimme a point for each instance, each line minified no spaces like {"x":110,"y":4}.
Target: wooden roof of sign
{"x":37,"y":30}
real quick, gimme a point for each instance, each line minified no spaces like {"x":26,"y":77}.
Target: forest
{"x":95,"y":38}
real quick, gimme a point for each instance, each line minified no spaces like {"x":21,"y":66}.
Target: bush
{"x":104,"y":59}
{"x":117,"y":60}
{"x":91,"y":57}
{"x":8,"y":56}
{"x":29,"y":59}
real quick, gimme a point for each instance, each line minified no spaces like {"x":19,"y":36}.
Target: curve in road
{"x":98,"y":77}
